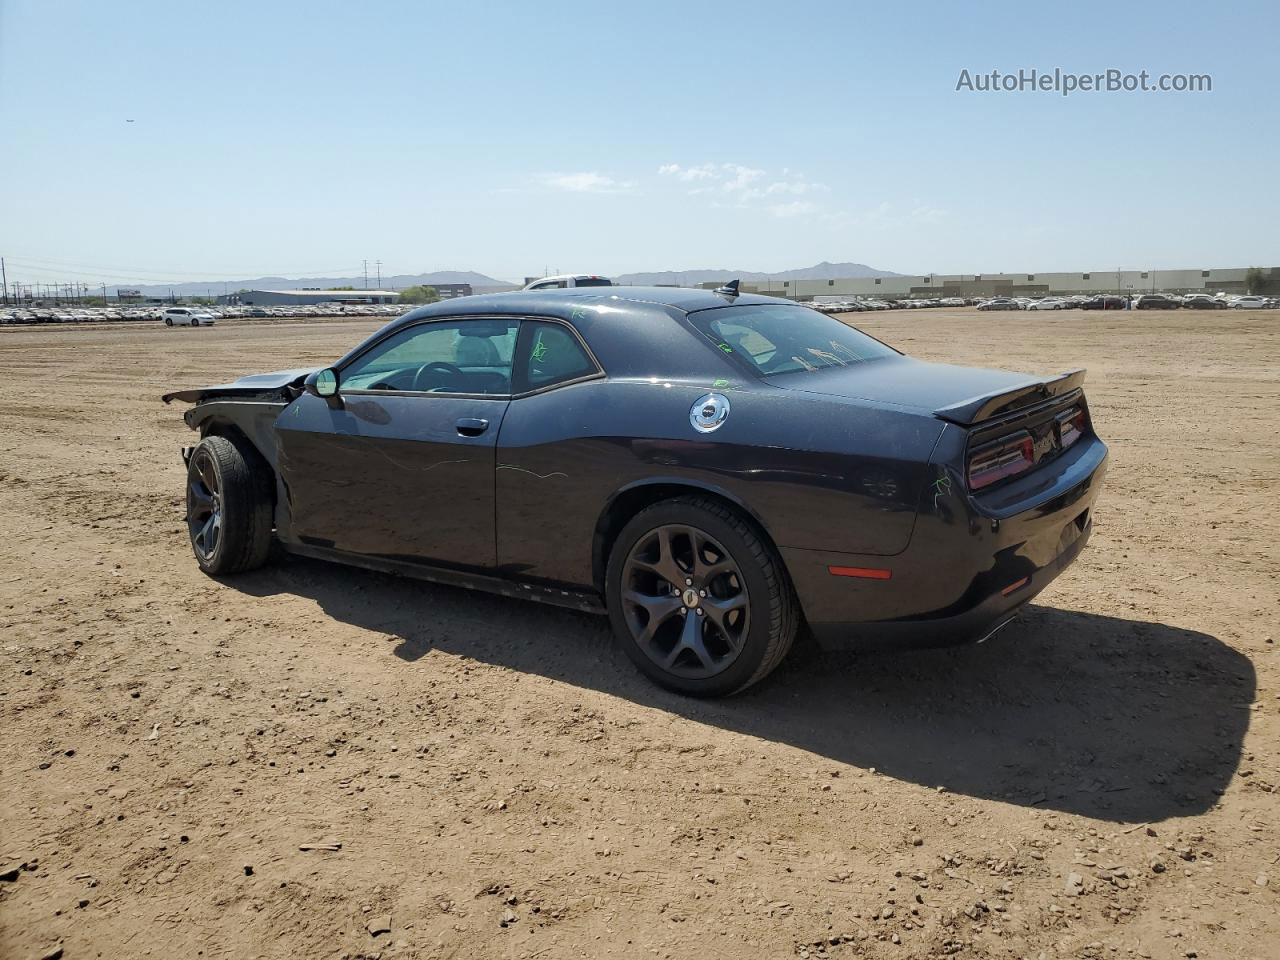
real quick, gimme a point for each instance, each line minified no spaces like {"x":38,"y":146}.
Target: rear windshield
{"x":593,"y":282}
{"x":787,"y":338}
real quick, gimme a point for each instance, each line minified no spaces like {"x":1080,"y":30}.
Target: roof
{"x":568,"y":276}
{"x":685,"y":299}
{"x":337,"y":293}
{"x":627,"y":327}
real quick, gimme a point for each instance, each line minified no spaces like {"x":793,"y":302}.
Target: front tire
{"x":228,"y":506}
{"x":698,"y":600}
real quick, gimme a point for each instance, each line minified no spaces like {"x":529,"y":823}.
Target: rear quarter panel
{"x":817,"y":474}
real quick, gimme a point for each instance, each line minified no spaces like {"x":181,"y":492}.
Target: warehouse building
{"x":1230,"y":280}
{"x":294,"y":298}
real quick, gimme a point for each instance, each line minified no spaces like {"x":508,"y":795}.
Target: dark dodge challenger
{"x":714,"y":471}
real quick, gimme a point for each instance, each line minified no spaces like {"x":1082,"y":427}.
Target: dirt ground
{"x":178,"y":755}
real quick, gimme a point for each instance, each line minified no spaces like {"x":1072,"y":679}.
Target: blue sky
{"x":300,"y":138}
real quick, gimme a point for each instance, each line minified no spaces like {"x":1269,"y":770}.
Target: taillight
{"x":1070,"y":426}
{"x":1007,"y":457}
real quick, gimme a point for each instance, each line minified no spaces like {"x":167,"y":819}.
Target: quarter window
{"x":459,"y":356}
{"x":550,"y":354}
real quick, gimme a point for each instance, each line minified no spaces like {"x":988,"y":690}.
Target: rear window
{"x":593,"y":282}
{"x":787,"y":338}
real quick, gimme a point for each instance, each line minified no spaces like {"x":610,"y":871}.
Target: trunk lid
{"x":961,"y":395}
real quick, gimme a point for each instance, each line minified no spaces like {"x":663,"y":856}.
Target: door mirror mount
{"x":322,"y":383}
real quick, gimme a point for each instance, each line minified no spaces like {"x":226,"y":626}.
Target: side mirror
{"x":322,"y":383}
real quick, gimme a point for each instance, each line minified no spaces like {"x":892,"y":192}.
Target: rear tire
{"x":228,"y":506}
{"x":697,"y":555}
{"x":168,"y":321}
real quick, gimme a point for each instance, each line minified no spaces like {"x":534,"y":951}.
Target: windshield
{"x":787,"y":338}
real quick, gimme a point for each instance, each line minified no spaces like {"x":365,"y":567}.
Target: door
{"x":400,"y":464}
{"x":550,"y":462}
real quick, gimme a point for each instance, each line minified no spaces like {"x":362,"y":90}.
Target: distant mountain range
{"x":691,"y":278}
{"x":479,"y":283}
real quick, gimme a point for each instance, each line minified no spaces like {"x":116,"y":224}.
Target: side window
{"x":550,"y":354}
{"x":551,"y":285}
{"x":453,"y":356}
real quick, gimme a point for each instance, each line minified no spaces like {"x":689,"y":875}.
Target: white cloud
{"x":738,"y":177}
{"x":796,"y":208}
{"x":743,"y":186}
{"x":885,"y":215}
{"x":795,"y":187}
{"x":788,"y":194}
{"x":923,"y":213}
{"x":587,"y":181}
{"x":687,"y":174}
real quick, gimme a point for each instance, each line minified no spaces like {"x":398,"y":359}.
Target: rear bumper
{"x":969,"y":569}
{"x":974,"y":624}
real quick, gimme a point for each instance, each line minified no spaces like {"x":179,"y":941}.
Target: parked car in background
{"x":186,"y":317}
{"x":1249,"y":303}
{"x":999,"y":303}
{"x":567,"y":280}
{"x":1155,"y":301}
{"x":1048,"y":303}
{"x":1104,"y":302}
{"x":1202,"y":301}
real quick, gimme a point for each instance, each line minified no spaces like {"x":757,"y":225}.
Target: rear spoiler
{"x":991,"y":405}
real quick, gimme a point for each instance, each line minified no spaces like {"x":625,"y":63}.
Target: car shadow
{"x":1121,"y":720}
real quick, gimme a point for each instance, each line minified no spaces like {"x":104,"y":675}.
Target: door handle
{"x":472,"y":426}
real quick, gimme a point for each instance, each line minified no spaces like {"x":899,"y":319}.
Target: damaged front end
{"x":246,"y":408}
{"x":280,"y":385}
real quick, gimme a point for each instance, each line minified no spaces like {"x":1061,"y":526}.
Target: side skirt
{"x":583,"y":600}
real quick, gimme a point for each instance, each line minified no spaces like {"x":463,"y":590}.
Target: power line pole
{"x":5,"y":277}
{"x":366,"y":274}
{"x":379,"y":286}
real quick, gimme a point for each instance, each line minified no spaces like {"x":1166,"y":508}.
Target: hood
{"x":960,"y":394}
{"x":264,"y":385}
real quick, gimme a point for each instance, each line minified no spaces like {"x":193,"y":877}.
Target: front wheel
{"x":228,"y":506}
{"x":698,"y":599}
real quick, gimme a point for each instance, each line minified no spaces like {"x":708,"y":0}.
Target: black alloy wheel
{"x":685,"y":601}
{"x":229,"y":505}
{"x":698,"y":597}
{"x":204,"y":505}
